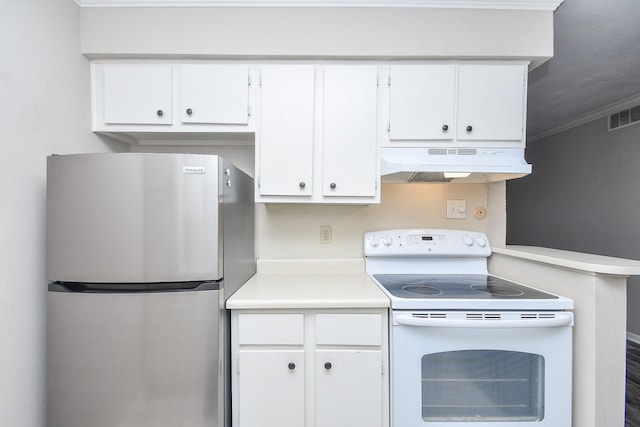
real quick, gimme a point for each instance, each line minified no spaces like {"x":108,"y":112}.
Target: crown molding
{"x":599,"y":113}
{"x":443,"y":4}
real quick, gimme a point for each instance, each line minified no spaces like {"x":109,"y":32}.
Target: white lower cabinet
{"x":348,"y":392}
{"x":310,"y":368}
{"x":271,"y":388}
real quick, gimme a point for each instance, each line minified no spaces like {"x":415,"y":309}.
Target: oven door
{"x":455,"y":369}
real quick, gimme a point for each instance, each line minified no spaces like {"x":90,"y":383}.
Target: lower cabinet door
{"x":271,"y":388}
{"x":348,"y":388}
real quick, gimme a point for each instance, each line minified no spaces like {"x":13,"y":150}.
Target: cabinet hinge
{"x":249,"y":82}
{"x":389,"y":80}
{"x":389,"y":126}
{"x":249,"y":111}
{"x":382,"y":367}
{"x":260,"y":80}
{"x":238,"y":366}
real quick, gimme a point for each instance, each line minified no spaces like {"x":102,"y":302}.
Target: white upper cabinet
{"x":137,"y":94}
{"x":491,"y":101}
{"x":421,"y":102}
{"x":459,"y":104}
{"x":214,"y":93}
{"x":285,"y":136}
{"x":350,"y":120}
{"x":130,"y":99}
{"x":317,"y":140}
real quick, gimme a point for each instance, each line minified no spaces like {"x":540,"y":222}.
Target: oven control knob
{"x":482,"y":242}
{"x":467,"y":240}
{"x":388,"y":241}
{"x":374,"y":242}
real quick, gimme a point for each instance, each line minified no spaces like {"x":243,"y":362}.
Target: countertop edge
{"x":598,"y":264}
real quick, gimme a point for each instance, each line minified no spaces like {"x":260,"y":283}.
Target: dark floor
{"x":633,"y":385}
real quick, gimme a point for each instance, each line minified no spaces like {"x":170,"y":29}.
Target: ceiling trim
{"x":599,"y":113}
{"x":443,"y":4}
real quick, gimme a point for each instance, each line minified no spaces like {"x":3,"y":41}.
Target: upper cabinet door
{"x":137,"y":94}
{"x":350,"y":131}
{"x":214,"y":94}
{"x":421,"y":102}
{"x":285,"y":138}
{"x":491,"y":101}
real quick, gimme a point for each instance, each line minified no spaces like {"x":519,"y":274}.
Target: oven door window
{"x":482,"y":385}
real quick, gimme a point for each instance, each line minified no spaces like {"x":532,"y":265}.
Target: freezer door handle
{"x":564,"y":319}
{"x":134,"y":287}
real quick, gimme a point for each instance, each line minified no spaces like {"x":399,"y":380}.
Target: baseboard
{"x":635,"y":338}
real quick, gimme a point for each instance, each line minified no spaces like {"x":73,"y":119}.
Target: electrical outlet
{"x":456,"y":209}
{"x":325,"y":234}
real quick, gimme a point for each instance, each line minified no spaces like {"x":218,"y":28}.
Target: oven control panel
{"x":426,"y":242}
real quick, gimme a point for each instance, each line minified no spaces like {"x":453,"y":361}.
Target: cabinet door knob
{"x":302,"y":184}
{"x":469,"y":128}
{"x":160,"y":113}
{"x":327,"y":365}
{"x":189,"y":111}
{"x":292,"y":366}
{"x":332,"y":185}
{"x":445,"y":127}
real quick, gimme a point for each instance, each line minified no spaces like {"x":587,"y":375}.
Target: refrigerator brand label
{"x":193,"y":169}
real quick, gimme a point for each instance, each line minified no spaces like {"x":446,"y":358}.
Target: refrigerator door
{"x":134,"y":359}
{"x":133,"y":217}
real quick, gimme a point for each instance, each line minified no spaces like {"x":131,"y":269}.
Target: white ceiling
{"x":595,"y":68}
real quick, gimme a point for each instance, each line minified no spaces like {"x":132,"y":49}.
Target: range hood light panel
{"x":451,"y":175}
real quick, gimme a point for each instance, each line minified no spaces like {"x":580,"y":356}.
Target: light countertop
{"x":309,"y":284}
{"x":574,"y":260}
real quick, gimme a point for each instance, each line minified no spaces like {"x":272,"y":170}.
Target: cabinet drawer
{"x":287,"y":329}
{"x":349,"y":329}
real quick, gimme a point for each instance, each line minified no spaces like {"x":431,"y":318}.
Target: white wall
{"x":44,"y":108}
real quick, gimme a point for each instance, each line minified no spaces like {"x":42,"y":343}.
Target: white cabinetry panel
{"x":137,"y":94}
{"x":349,"y":131}
{"x":279,"y":400}
{"x":214,"y":93}
{"x":421,"y":102}
{"x":286,"y":130}
{"x":349,"y":388}
{"x":491,"y":101}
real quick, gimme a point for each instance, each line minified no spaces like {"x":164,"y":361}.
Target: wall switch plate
{"x":456,"y":209}
{"x":325,"y":234}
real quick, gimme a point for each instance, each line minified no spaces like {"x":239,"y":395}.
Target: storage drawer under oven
{"x":481,"y":369}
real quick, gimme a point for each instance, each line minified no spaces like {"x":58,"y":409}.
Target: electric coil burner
{"x":469,"y":349}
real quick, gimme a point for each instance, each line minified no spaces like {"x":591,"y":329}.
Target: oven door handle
{"x":410,"y":320}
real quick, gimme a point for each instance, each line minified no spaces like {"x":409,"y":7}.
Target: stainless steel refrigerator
{"x":143,"y":249}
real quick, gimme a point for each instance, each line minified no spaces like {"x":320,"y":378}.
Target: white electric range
{"x":468,"y":348}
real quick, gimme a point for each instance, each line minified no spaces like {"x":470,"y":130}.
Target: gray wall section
{"x":584,"y":196}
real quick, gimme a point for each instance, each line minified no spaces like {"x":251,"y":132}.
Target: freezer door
{"x":134,"y":360}
{"x":133,"y":217}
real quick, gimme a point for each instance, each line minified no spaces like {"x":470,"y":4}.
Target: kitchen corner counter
{"x":597,"y":286}
{"x":573,"y":260}
{"x":284,"y":284}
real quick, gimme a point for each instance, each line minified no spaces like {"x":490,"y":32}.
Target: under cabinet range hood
{"x":452,"y":164}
